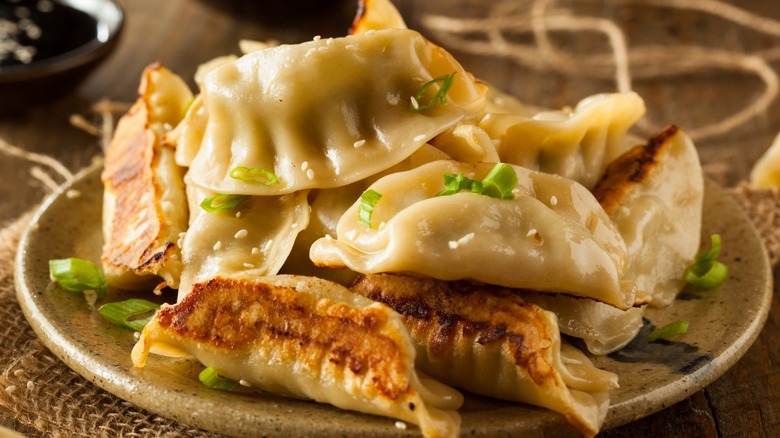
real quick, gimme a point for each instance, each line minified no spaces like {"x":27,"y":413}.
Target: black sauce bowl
{"x":58,"y":73}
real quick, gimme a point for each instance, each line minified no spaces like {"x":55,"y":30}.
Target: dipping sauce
{"x":34,"y":30}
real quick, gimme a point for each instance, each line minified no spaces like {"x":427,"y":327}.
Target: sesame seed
{"x":531,"y":232}
{"x":304,"y":165}
{"x":243,"y":382}
{"x":553,"y":201}
{"x":19,"y":373}
{"x":322,"y":49}
{"x":255,"y":251}
{"x":311,"y":51}
{"x":382,"y":225}
{"x":136,"y":336}
{"x":359,"y":143}
{"x":248,"y":265}
{"x":371,"y":32}
{"x":329,"y":41}
{"x":30,"y":385}
{"x":217,"y":246}
{"x":72,"y":194}
{"x":415,"y":104}
{"x":316,"y":38}
{"x":328,"y":237}
{"x":238,"y":214}
{"x":452,"y":244}
{"x":310,"y":174}
{"x":400,"y":425}
{"x":10,"y":389}
{"x":241,"y":233}
{"x":351,"y":47}
{"x":465,"y":239}
{"x":420,"y":137}
{"x":294,"y":226}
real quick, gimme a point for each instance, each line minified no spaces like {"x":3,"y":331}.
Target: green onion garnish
{"x":187,"y":108}
{"x":668,"y":331}
{"x":368,"y":201}
{"x":499,"y":183}
{"x":121,"y":312}
{"x":77,"y":275}
{"x":223,"y":202}
{"x":212,"y":380}
{"x":706,"y":272}
{"x":440,"y":96}
{"x":254,"y":175}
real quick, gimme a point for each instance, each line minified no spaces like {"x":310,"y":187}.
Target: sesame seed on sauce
{"x":415,"y":104}
{"x":217,"y":246}
{"x":310,"y":174}
{"x":359,"y":143}
{"x":553,"y":201}
{"x":241,"y":233}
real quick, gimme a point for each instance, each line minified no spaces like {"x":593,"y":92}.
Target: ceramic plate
{"x":723,"y":324}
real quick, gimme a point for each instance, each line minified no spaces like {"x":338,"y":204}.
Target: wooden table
{"x":183,"y":33}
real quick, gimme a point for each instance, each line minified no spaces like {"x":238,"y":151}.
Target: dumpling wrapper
{"x":254,"y":238}
{"x":577,"y":144}
{"x":603,"y":328}
{"x":309,"y":338}
{"x":144,"y":204}
{"x":326,"y":208}
{"x":654,"y":194}
{"x":324,"y":113}
{"x":491,"y":341}
{"x":766,"y":171}
{"x":553,"y":236}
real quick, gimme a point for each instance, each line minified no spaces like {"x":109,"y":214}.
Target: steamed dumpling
{"x":491,"y":341}
{"x":654,"y":194}
{"x":253,"y":238}
{"x":305,"y":337}
{"x":324,"y":113}
{"x":552,"y":236}
{"x":576,"y":144}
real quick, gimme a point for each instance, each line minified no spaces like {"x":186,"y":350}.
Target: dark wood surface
{"x":181,"y":34}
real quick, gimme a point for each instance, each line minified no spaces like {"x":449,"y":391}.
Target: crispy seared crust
{"x":136,"y":231}
{"x":231,"y":314}
{"x":630,"y":169}
{"x":443,"y":314}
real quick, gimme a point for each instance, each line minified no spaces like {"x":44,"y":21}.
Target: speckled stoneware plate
{"x":723,"y":324}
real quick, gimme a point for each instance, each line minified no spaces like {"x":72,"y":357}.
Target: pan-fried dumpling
{"x":602,"y":327}
{"x":326,"y":113}
{"x":305,"y":337}
{"x":654,"y":195}
{"x":253,"y":237}
{"x":576,"y":144}
{"x":376,"y":15}
{"x":144,"y":205}
{"x":552,"y":236}
{"x":490,"y":341}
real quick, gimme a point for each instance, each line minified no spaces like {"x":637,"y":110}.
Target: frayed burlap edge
{"x":46,"y":398}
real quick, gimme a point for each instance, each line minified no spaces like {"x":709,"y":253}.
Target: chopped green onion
{"x":212,"y":380}
{"x":440,"y":96}
{"x":669,"y":331}
{"x":77,"y":275}
{"x":706,"y":272}
{"x":254,"y":175}
{"x":499,"y":183}
{"x":121,"y":312}
{"x":223,"y":202}
{"x":368,"y":201}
